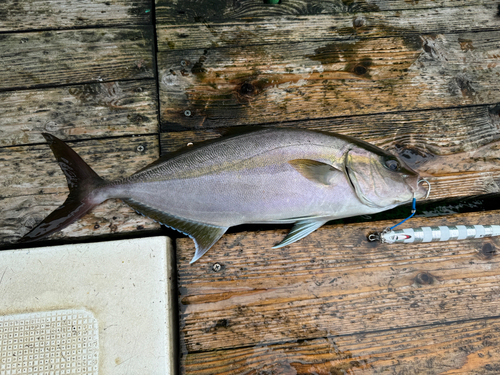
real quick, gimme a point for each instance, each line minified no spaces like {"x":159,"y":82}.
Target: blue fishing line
{"x":413,"y":210}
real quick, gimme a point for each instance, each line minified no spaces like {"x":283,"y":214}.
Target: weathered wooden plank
{"x":327,"y":27}
{"x":79,"y":112}
{"x":41,"y":14}
{"x":32,"y":185}
{"x":429,"y":133}
{"x":471,"y":347}
{"x":276,"y":83}
{"x":333,"y":282}
{"x":75,"y":56}
{"x":210,"y":11}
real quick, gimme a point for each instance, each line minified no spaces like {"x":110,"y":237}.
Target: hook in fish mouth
{"x":416,"y":189}
{"x":428,"y":184}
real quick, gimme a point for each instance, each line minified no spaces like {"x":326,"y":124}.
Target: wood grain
{"x":57,"y":58}
{"x":32,"y":185}
{"x":213,"y":11}
{"x":55,"y":14}
{"x":261,"y":84}
{"x":333,"y":282}
{"x":267,"y":30}
{"x":93,"y":110}
{"x":471,"y":347}
{"x":429,"y":133}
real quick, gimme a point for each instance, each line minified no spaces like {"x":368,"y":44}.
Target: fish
{"x":266,"y":176}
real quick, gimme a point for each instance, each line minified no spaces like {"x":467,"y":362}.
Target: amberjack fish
{"x":270,"y":175}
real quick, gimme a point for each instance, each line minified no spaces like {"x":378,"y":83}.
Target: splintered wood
{"x":335,"y":302}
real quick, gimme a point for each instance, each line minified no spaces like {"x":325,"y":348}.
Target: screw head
{"x":216,"y":267}
{"x":187,"y":113}
{"x":140,"y":148}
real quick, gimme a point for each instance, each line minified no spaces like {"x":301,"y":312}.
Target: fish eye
{"x":393,"y":165}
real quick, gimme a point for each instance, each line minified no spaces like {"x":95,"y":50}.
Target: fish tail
{"x":83,"y":183}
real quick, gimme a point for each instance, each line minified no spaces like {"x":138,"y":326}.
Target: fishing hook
{"x":428,"y":186}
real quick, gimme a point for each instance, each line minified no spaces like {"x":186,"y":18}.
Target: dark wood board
{"x":75,"y":112}
{"x":327,"y":27}
{"x":55,"y":58}
{"x":470,"y":347}
{"x":206,"y":88}
{"x":58,"y":14}
{"x":215,"y":11}
{"x":336,"y":301}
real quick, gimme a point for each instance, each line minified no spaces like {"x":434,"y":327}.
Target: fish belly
{"x":270,"y":194}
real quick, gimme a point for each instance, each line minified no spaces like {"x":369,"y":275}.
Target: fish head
{"x":380,"y":179}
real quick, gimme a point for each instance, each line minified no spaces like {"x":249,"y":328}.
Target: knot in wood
{"x":247,"y":89}
{"x":424,"y":278}
{"x":487,"y":251}
{"x":360,"y":70}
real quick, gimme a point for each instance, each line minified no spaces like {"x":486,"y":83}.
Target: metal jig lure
{"x":435,"y":234}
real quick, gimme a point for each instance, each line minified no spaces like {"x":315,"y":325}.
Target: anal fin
{"x":301,"y":229}
{"x":203,"y":235}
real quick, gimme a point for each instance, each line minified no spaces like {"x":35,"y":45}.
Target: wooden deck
{"x":124,"y":81}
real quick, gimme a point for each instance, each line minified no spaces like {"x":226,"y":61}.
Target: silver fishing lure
{"x":435,"y":234}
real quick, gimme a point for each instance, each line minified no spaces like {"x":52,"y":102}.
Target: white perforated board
{"x":49,"y":343}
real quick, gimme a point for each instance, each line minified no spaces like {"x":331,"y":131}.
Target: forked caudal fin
{"x":82,"y":183}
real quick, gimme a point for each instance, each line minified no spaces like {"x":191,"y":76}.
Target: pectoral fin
{"x":204,"y":235}
{"x":316,"y":171}
{"x":300,"y":230}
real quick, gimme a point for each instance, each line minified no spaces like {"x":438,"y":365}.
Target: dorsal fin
{"x":204,"y":235}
